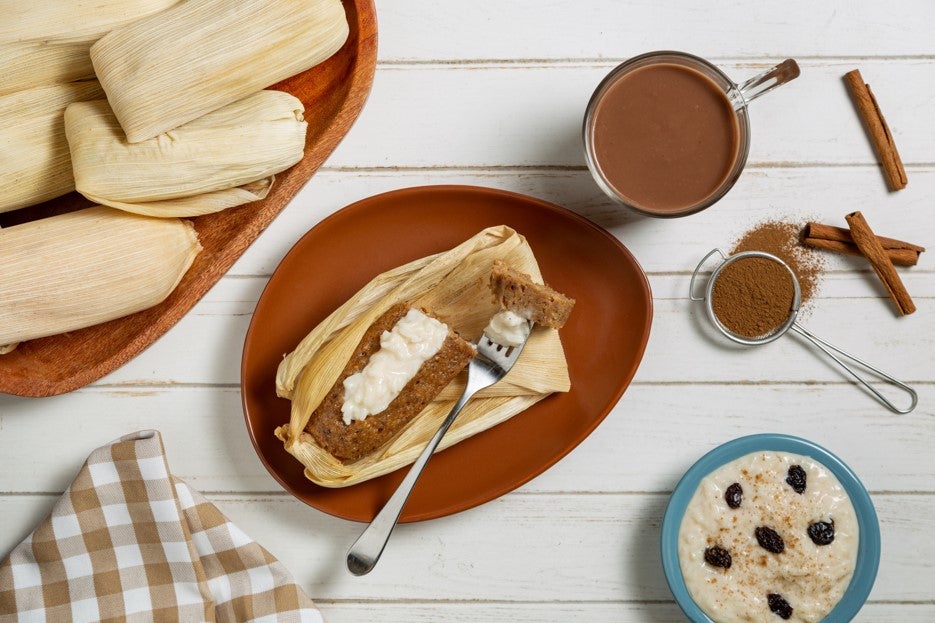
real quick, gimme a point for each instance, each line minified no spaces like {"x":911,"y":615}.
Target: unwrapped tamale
{"x":223,"y":159}
{"x":452,"y":285}
{"x":165,"y":70}
{"x":34,"y":161}
{"x":47,"y":42}
{"x":82,"y":268}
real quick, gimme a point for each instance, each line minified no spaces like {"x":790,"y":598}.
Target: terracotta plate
{"x":333,"y":93}
{"x":604,"y":339}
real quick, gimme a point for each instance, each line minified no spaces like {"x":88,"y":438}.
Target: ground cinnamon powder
{"x":784,"y":241}
{"x":753,"y":296}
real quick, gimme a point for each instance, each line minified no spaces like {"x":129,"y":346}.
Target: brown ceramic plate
{"x":604,"y":339}
{"x":333,"y":93}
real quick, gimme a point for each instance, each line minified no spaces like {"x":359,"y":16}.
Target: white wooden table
{"x":492,"y":93}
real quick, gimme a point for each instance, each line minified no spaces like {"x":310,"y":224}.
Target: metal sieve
{"x":836,"y":354}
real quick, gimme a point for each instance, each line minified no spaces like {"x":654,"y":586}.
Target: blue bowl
{"x":868,"y":548}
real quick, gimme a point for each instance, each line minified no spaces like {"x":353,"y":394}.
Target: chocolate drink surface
{"x":665,"y":137}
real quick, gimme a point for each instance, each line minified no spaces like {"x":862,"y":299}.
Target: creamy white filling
{"x":811,"y":578}
{"x":412,"y":341}
{"x":507,"y":328}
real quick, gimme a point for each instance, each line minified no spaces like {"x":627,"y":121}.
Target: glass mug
{"x":667,"y":133}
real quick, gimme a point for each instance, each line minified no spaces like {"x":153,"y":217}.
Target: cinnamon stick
{"x":838,"y":239}
{"x":871,"y":248}
{"x":879,"y":132}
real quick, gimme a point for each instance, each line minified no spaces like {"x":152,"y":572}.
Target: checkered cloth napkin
{"x":130,"y":542}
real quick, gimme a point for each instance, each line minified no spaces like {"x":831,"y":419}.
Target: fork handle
{"x":366,"y":550}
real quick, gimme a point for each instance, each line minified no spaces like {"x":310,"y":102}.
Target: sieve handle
{"x":691,"y":285}
{"x":830,"y":350}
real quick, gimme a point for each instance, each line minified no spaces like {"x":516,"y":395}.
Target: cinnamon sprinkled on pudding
{"x":791,"y":540}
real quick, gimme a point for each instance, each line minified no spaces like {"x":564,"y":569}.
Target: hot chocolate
{"x":665,"y":138}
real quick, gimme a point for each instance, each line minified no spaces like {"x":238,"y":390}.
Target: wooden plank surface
{"x":492,"y":94}
{"x":809,"y":121}
{"x":578,"y":547}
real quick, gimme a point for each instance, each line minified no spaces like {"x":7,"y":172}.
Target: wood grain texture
{"x":610,"y":29}
{"x":206,"y":445}
{"x":496,"y":114}
{"x":485,"y":93}
{"x":222,"y":317}
{"x":519,"y":549}
{"x":334,"y":93}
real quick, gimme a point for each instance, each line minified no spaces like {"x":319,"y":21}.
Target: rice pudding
{"x":768,"y":537}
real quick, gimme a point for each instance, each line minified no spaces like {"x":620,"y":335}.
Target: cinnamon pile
{"x":781,"y":239}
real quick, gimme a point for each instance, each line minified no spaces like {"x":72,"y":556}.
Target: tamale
{"x":82,"y":268}
{"x":199,"y":55}
{"x":452,"y":285}
{"x":23,"y":21}
{"x":30,"y":64}
{"x":34,"y":162}
{"x":47,"y":42}
{"x":225,"y":158}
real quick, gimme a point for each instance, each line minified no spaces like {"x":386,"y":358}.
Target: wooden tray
{"x":334,"y":93}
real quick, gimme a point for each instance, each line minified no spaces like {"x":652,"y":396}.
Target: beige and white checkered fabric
{"x":130,"y":542}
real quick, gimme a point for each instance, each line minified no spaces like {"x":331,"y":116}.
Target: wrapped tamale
{"x":199,"y":55}
{"x":47,"y":42}
{"x":225,"y":158}
{"x":452,"y":285}
{"x":82,"y":268}
{"x":29,"y":64}
{"x":34,"y":161}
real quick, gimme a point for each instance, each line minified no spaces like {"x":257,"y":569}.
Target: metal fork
{"x":491,"y":364}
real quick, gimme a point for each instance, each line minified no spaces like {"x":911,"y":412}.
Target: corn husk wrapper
{"x":47,"y":42}
{"x":182,"y":63}
{"x":453,"y":286}
{"x":31,"y":64}
{"x":223,"y":159}
{"x":82,"y":268}
{"x":34,"y":162}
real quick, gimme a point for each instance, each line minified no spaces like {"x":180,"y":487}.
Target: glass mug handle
{"x":767,"y":81}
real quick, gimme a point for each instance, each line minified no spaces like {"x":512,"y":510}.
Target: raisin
{"x":769,"y":540}
{"x":796,"y":478}
{"x":734,"y":495}
{"x":778,"y":605}
{"x":821,"y":532}
{"x":717,"y":557}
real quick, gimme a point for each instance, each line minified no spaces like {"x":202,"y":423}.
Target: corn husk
{"x":47,"y":42}
{"x":453,"y":286}
{"x":82,"y":268}
{"x":30,"y":64}
{"x":170,"y":68}
{"x":223,"y":159}
{"x":23,"y":21}
{"x":34,"y":162}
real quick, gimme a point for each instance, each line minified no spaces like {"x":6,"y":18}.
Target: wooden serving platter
{"x":334,"y":93}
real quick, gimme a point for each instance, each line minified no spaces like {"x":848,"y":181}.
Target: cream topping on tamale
{"x":412,"y":341}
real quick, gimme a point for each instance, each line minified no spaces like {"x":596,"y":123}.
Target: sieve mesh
{"x":752,"y":284}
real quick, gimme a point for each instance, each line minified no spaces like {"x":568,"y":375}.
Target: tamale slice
{"x":82,"y":268}
{"x":34,"y":161}
{"x":175,"y":66}
{"x":453,"y":286}
{"x":47,"y":42}
{"x":222,"y":159}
